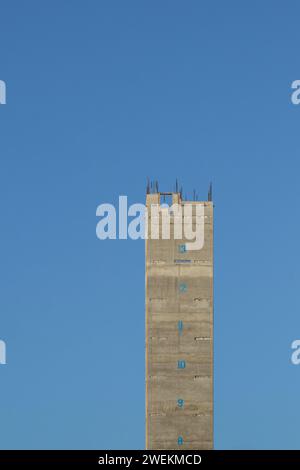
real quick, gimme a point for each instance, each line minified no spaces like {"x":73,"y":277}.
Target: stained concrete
{"x":168,"y":425}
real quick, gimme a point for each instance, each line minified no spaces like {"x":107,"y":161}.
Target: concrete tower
{"x":179,"y":331}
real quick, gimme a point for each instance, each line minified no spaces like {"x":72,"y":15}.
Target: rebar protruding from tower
{"x":209,"y":198}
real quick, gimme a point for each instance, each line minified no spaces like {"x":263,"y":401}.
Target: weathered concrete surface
{"x":179,"y":327}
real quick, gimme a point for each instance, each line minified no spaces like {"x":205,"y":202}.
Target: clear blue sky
{"x":101,"y":94}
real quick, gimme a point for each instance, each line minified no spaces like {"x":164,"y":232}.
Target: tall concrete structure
{"x":179,"y":333}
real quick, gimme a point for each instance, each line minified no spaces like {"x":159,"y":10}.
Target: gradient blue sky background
{"x":101,"y":94}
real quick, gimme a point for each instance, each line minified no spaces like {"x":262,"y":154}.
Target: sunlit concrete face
{"x":179,"y":339}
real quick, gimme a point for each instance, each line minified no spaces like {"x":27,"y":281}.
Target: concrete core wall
{"x":179,"y":338}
